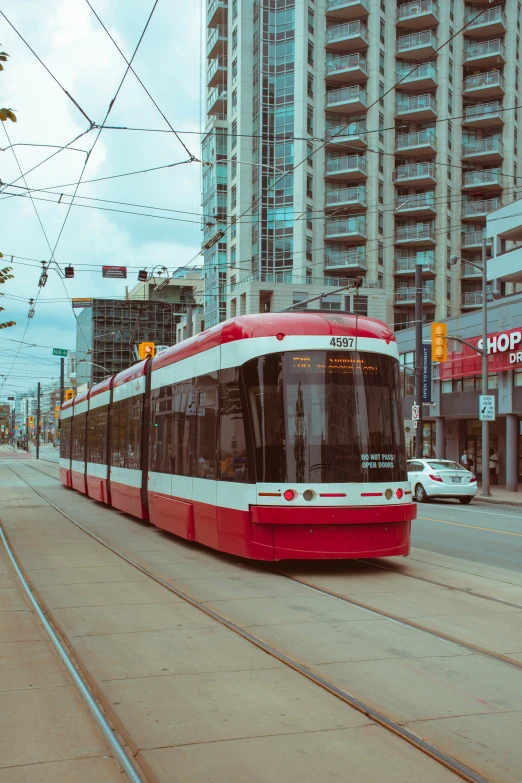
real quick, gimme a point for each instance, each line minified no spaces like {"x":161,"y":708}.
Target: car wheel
{"x":465,"y":501}
{"x":420,"y":494}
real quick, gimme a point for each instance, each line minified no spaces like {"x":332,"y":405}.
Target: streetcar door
{"x":204,"y":472}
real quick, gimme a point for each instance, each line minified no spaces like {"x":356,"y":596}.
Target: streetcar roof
{"x":271,"y":324}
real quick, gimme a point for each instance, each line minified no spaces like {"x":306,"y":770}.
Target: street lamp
{"x":85,"y":361}
{"x":484,"y":353}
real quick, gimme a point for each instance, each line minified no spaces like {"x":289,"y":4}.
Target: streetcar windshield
{"x":326,"y":417}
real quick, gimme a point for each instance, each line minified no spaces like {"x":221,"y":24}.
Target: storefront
{"x":451,"y":423}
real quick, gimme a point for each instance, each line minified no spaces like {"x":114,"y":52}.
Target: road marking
{"x":460,"y":524}
{"x":488,"y":513}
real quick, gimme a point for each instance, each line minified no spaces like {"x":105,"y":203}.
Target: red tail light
{"x":435,"y":477}
{"x":289,"y":494}
{"x":472,"y":479}
{"x":399,"y":494}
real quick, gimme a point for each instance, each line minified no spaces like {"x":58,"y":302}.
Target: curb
{"x":492,"y":502}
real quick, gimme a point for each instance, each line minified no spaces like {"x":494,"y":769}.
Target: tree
{"x":5,"y":275}
{"x":6,"y":114}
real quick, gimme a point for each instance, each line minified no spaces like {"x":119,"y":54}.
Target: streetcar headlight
{"x":308,"y":494}
{"x":388,"y":494}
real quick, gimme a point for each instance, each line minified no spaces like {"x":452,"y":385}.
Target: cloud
{"x":77,"y":50}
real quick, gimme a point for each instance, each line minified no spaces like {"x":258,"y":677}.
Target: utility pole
{"x":62,"y":380}
{"x":189,"y":316}
{"x":418,"y":354}
{"x":485,"y":423}
{"x":27,"y":432}
{"x":38,"y":397}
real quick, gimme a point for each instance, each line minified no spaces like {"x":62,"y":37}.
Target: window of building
{"x":234,"y":10}
{"x":233,"y":255}
{"x":234,"y":40}
{"x":446,"y":387}
{"x":309,"y":153}
{"x":233,"y":197}
{"x":309,"y":251}
{"x":233,"y":229}
{"x":448,"y":226}
{"x":234,"y":70}
{"x":310,"y":21}
{"x":310,"y":120}
{"x":380,"y":254}
{"x":448,"y":288}
{"x":407,"y":365}
{"x":517,"y":378}
{"x":309,"y":186}
{"x":310,"y":53}
{"x":381,"y":128}
{"x":448,"y":161}
{"x":450,"y":71}
{"x":381,"y":193}
{"x":233,"y":166}
{"x":310,"y":85}
{"x":234,"y":100}
{"x":381,"y":63}
{"x":381,"y":93}
{"x":450,"y":102}
{"x":381,"y":162}
{"x":380,"y":223}
{"x":360,"y":305}
{"x":382,"y":31}
{"x":233,"y":141}
{"x":299,"y":297}
{"x":309,"y":218}
{"x":450,"y":131}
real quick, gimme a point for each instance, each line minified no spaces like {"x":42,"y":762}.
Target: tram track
{"x":379,"y":717}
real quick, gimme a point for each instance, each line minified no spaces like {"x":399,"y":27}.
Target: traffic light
{"x":439,"y":342}
{"x":57,"y":412}
{"x":69,"y":271}
{"x":30,"y":422}
{"x":69,"y":394}
{"x":146,"y":350}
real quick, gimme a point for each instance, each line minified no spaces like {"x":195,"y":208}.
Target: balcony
{"x":417,"y":77}
{"x":415,"y":174}
{"x":217,"y":71}
{"x":470,"y":271}
{"x":487,"y":179}
{"x":491,"y":21}
{"x":419,"y":204}
{"x":349,"y":229}
{"x":348,"y":37}
{"x":353,"y":261}
{"x":217,"y":13}
{"x":347,"y":198}
{"x":217,"y":100}
{"x":406,"y":296}
{"x":347,"y":9}
{"x":416,"y":234}
{"x":482,"y":115}
{"x":420,"y":14}
{"x":217,"y":41}
{"x":471,"y":299}
{"x":416,"y":107}
{"x":346,"y":99}
{"x":484,"y":150}
{"x":349,"y":167}
{"x":471,"y":210}
{"x":347,"y":68}
{"x":472,"y":240}
{"x":353,"y":134}
{"x":417,"y":46}
{"x":487,"y":85}
{"x":485,"y":53}
{"x":419,"y":143}
{"x":405,"y":265}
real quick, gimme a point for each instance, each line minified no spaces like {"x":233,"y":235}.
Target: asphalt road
{"x":481,"y":532}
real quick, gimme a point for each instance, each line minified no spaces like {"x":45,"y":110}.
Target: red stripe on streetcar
{"x":333,"y":494}
{"x":371,"y":494}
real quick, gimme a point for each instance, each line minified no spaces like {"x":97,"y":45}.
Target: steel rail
{"x":380,"y":718}
{"x":97,"y":714}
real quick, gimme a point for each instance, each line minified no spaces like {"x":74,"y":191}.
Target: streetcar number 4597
{"x":342,"y":342}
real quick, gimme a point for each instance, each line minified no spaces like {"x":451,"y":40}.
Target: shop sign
{"x":504,"y":353}
{"x":426,"y":372}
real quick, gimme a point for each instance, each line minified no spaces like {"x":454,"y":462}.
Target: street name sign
{"x":487,"y":407}
{"x":59,"y":352}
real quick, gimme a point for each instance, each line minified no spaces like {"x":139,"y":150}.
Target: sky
{"x":69,"y":39}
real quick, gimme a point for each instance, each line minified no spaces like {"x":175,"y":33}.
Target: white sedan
{"x":441,"y":478}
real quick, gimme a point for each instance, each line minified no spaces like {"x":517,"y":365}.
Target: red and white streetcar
{"x":268,"y":436}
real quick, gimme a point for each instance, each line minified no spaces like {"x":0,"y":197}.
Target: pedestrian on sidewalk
{"x":493,"y":466}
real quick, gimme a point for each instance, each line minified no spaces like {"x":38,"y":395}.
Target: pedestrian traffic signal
{"x":439,"y":342}
{"x":69,"y":394}
{"x":146,"y":350}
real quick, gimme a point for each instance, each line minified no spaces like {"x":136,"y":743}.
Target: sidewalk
{"x":501,"y":496}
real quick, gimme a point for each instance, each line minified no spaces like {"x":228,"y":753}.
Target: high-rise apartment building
{"x":355,"y":137}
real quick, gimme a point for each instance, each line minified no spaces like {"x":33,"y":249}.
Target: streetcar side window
{"x":97,"y":435}
{"x":206,"y":427}
{"x":232,"y":441}
{"x":65,"y":438}
{"x":126,"y":433}
{"x":78,"y":437}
